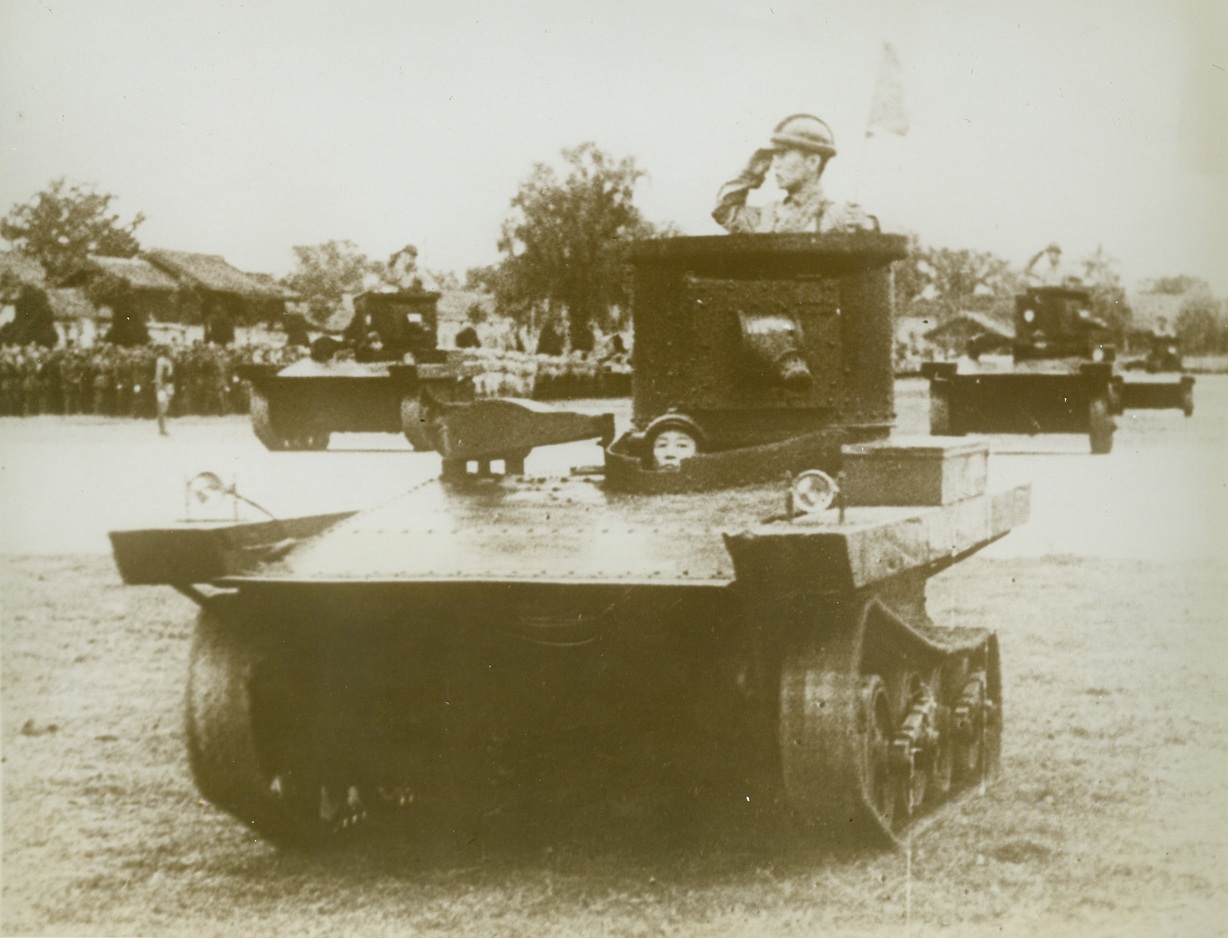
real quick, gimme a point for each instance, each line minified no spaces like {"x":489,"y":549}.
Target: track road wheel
{"x":941,"y":769}
{"x":940,"y":410}
{"x":970,"y":729}
{"x":262,"y":421}
{"x":1101,"y":426}
{"x":250,"y":744}
{"x":881,"y":781}
{"x":915,"y":747}
{"x":416,"y":426}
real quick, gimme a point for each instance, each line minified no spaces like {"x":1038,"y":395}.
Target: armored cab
{"x":732,"y":620}
{"x":368,"y":381}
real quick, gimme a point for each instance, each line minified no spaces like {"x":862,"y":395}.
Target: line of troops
{"x":113,"y":381}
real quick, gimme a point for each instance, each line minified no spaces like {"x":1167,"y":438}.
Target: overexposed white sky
{"x":243,"y":128}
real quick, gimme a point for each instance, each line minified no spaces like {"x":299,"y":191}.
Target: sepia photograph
{"x":726,"y":468}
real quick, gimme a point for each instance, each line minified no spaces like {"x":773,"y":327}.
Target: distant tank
{"x":368,"y":381}
{"x":1149,"y":382}
{"x":1061,"y":378}
{"x":734,"y":593}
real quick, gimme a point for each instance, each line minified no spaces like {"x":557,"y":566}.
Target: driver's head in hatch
{"x":671,"y":440}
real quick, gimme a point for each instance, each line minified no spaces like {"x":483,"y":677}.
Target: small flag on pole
{"x":887,"y":113}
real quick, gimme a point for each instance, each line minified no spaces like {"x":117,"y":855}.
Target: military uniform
{"x":800,"y":147}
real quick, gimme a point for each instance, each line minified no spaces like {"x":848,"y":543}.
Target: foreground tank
{"x":369,"y":381}
{"x":718,"y":624}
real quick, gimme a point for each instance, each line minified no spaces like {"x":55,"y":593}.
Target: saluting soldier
{"x":801,"y":146}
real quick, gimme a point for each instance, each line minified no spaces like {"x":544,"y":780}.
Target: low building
{"x":17,"y":270}
{"x":220,"y":296}
{"x":953,"y":335}
{"x":156,"y":296}
{"x":77,"y":321}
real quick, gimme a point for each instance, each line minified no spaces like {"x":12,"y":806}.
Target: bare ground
{"x":1108,"y":818}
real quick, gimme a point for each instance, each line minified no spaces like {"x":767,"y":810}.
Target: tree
{"x":1202,"y":326}
{"x":941,"y":282}
{"x":324,"y":272}
{"x":67,"y":222}
{"x":1109,"y":305}
{"x":33,"y":321}
{"x":1180,"y":285}
{"x":563,"y":245}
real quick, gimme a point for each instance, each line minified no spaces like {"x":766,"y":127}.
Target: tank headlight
{"x":814,"y":491}
{"x":1098,"y":354}
{"x":1172,"y":350}
{"x":206,"y":496}
{"x":1029,"y":315}
{"x":1084,"y":313}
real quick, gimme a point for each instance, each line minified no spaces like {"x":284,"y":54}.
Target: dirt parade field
{"x":1110,"y":816}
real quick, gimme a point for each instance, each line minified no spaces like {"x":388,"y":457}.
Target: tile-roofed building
{"x":155,"y":296}
{"x":219,"y":295}
{"x":17,"y":269}
{"x":70,"y":304}
{"x":139,"y":273}
{"x":212,"y":273}
{"x":957,"y":331}
{"x":77,"y":320}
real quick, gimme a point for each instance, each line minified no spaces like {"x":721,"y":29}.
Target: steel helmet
{"x":805,"y":132}
{"x":676,"y":421}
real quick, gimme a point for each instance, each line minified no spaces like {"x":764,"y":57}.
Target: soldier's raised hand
{"x":759,"y":164}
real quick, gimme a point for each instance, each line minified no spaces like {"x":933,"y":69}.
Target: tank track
{"x":255,"y":746}
{"x":881,"y":722}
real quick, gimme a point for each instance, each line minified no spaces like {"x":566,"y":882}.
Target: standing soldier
{"x":164,"y":386}
{"x":190,"y":379}
{"x":104,"y":383}
{"x":70,"y":378}
{"x":1051,"y":272}
{"x":50,"y":390}
{"x":123,"y":382}
{"x":30,"y":391}
{"x":134,"y":366}
{"x":7,"y":372}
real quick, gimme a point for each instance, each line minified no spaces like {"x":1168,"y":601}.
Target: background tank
{"x":1157,"y":381}
{"x":1063,"y":378}
{"x":492,"y":636}
{"x":366,"y":382}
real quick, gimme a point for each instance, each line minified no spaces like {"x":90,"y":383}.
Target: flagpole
{"x":887,"y":113}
